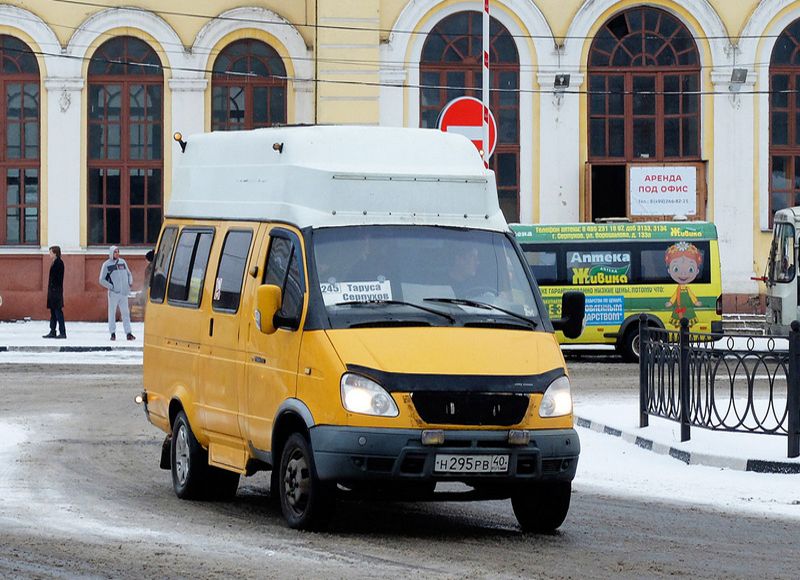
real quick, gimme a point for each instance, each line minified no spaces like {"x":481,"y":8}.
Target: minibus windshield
{"x":422,"y":275}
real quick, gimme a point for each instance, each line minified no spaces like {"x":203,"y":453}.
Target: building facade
{"x":671,"y":106}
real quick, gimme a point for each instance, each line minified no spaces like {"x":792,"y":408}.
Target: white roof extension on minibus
{"x":335,"y":175}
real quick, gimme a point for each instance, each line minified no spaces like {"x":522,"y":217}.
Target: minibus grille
{"x":466,"y":408}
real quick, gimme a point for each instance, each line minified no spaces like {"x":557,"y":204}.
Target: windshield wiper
{"x":484,"y":305}
{"x":399,"y":303}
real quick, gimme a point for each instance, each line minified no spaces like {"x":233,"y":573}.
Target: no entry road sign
{"x":464,"y":115}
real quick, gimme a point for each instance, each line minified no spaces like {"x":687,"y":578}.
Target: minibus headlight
{"x":557,"y":400}
{"x":365,"y":396}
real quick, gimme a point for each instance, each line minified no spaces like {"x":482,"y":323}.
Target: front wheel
{"x":306,"y":502}
{"x":541,"y":508}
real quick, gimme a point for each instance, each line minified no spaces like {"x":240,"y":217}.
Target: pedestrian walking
{"x":55,"y":294}
{"x":115,"y":275}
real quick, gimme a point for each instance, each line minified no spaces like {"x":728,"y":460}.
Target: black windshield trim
{"x":410,"y":383}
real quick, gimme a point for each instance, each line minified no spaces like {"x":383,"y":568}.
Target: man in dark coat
{"x":55,"y":295}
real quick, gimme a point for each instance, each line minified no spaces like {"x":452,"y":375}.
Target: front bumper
{"x":350,"y":454}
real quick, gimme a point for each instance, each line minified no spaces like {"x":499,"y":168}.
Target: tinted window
{"x":189,"y":270}
{"x":543,"y":265}
{"x":283,"y":270}
{"x":232,"y":264}
{"x":158,"y":285}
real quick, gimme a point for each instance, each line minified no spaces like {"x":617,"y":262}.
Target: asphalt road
{"x":82,"y":496}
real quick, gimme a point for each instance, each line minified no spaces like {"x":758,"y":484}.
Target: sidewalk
{"x":86,"y":343}
{"x":720,"y":449}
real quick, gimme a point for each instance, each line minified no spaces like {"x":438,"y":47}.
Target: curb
{"x":692,"y":458}
{"x":70,"y":349}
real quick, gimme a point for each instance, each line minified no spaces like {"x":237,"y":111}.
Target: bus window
{"x":543,"y":265}
{"x":654,"y":262}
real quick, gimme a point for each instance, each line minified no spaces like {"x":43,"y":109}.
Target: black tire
{"x":541,"y":508}
{"x":189,"y":461}
{"x":306,"y":502}
{"x":629,"y":349}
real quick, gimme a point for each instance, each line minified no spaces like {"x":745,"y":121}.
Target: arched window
{"x":19,"y":157}
{"x":784,"y":123}
{"x":644,"y":103}
{"x":644,"y":79}
{"x":451,"y":67}
{"x":125,"y":144}
{"x":248,"y":87}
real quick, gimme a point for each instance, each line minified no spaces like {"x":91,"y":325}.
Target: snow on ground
{"x":623,"y":414}
{"x":26,"y":346}
{"x":610,"y":465}
{"x":116,"y":357}
{"x":29,"y":333}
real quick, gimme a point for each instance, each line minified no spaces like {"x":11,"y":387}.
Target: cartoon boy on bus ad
{"x":684,"y":262}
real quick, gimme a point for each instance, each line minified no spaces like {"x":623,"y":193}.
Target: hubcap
{"x":296,"y":481}
{"x":181,"y":455}
{"x":635,"y":346}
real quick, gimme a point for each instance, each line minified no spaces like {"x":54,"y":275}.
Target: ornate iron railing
{"x":721,"y":382}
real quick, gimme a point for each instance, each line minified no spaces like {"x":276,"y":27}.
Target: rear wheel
{"x":189,"y":461}
{"x":192,"y":476}
{"x":541,"y":508}
{"x":306,"y":502}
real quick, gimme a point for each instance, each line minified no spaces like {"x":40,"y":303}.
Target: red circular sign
{"x":464,"y":116}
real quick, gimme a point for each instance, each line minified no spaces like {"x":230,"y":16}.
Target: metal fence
{"x":721,"y":382}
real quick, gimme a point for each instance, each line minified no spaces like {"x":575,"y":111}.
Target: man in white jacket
{"x":117,"y":278}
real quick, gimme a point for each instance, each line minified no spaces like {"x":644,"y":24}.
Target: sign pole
{"x":485,"y":148}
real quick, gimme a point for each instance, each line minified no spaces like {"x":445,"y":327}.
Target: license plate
{"x":471,"y":463}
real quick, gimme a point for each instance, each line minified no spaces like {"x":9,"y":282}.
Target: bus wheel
{"x":306,"y":502}
{"x":630,"y":344}
{"x":541,"y":508}
{"x":189,"y":461}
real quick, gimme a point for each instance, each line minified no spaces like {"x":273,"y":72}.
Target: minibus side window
{"x":158,"y":284}
{"x":230,"y":273}
{"x":189,"y":270}
{"x":283,"y":270}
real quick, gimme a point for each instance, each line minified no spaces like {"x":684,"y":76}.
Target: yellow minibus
{"x":347,"y":308}
{"x":667,"y":270}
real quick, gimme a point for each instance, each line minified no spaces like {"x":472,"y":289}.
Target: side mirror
{"x":268,"y":303}
{"x":573,"y":308}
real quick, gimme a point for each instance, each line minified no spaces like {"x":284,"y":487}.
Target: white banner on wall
{"x":659,"y":191}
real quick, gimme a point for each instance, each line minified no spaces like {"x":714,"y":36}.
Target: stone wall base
{"x":23,"y":286}
{"x":743,"y":303}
